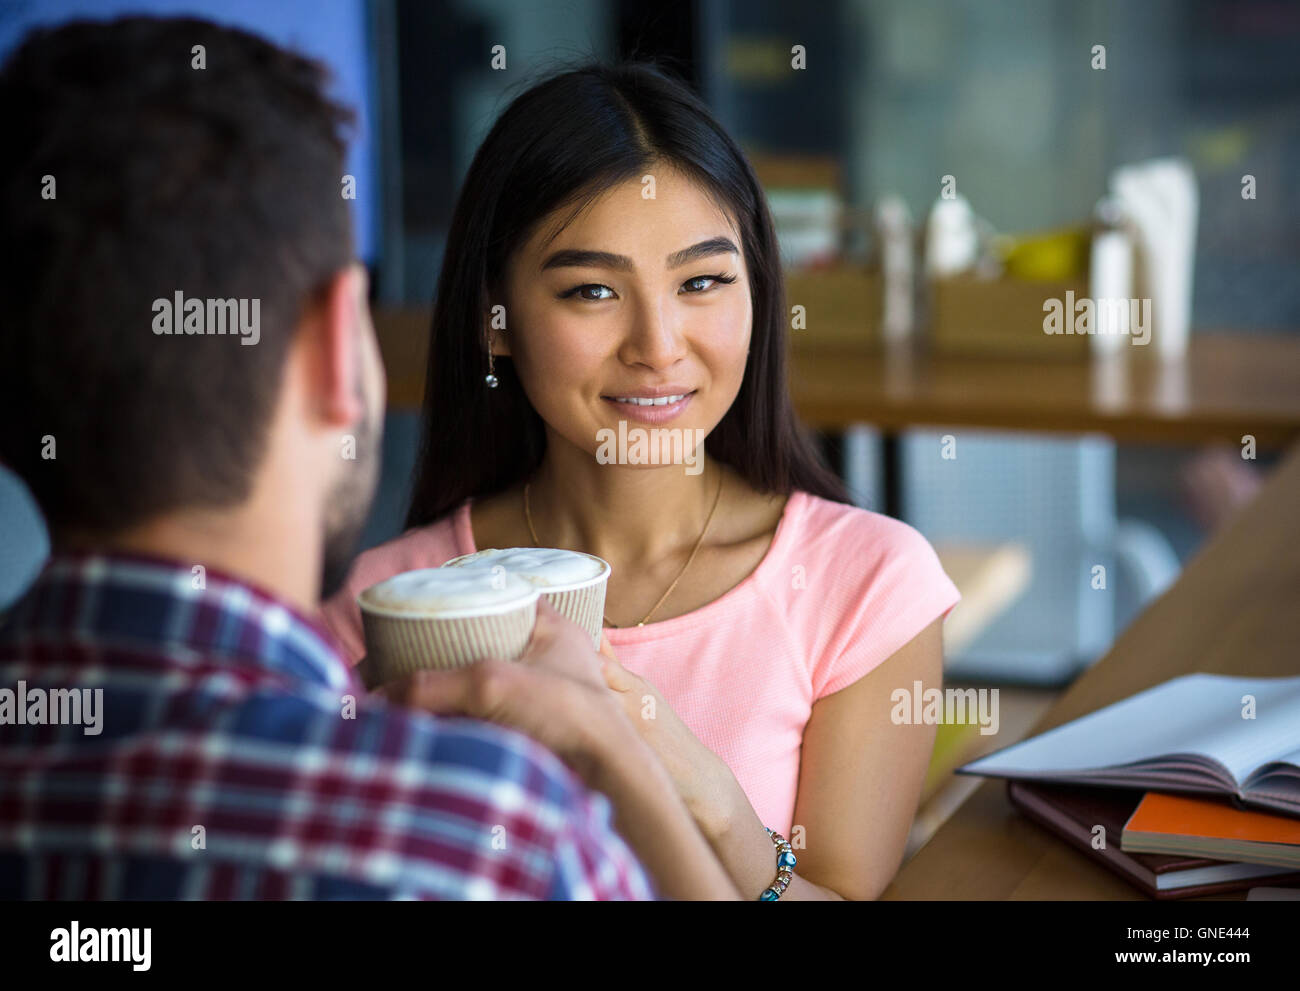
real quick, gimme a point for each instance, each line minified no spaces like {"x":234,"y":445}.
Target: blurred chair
{"x":1053,"y":495}
{"x":24,"y":542}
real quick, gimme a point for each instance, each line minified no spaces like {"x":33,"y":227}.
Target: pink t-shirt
{"x":840,"y":590}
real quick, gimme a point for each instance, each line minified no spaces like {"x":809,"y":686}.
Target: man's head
{"x":180,"y":306}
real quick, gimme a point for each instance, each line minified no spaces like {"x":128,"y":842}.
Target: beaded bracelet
{"x":784,"y":862}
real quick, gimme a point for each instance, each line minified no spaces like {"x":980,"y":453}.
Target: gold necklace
{"x":528,"y":515}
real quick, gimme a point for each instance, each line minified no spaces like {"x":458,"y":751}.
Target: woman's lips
{"x":649,"y":414}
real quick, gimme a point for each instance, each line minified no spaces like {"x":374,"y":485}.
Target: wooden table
{"x":1229,"y":385}
{"x":1234,"y":610}
{"x":404,"y":343}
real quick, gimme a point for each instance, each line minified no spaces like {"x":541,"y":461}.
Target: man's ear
{"x":337,"y":339}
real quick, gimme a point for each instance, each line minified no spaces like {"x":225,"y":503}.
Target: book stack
{"x":1189,"y":788}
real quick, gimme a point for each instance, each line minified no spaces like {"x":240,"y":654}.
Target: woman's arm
{"x":860,"y":778}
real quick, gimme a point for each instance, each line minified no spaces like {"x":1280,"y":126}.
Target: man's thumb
{"x":432,"y":691}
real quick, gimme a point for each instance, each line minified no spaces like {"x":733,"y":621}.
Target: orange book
{"x":1177,"y":824}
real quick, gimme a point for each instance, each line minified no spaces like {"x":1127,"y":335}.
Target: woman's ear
{"x":498,"y":339}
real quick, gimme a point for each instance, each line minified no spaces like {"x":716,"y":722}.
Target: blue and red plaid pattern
{"x":238,"y":757}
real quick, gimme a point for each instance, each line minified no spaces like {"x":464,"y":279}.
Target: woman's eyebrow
{"x":579,"y":258}
{"x":575,"y":258}
{"x":713,"y":246}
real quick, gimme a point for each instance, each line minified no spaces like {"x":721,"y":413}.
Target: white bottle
{"x":1110,"y":281}
{"x":1161,"y":198}
{"x":951,"y":240}
{"x":894,"y":232}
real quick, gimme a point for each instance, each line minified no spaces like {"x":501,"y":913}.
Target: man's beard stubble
{"x":348,"y":506}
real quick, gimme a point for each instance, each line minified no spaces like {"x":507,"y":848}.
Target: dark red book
{"x":1072,"y":813}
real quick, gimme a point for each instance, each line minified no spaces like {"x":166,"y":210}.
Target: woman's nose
{"x":655,"y":338}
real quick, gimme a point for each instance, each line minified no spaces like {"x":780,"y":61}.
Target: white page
{"x":1283,"y":777}
{"x":1197,"y":713}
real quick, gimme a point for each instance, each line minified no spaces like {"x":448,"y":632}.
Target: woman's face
{"x":637,"y":298}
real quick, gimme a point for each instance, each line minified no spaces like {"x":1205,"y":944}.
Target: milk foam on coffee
{"x":545,"y":567}
{"x":436,"y":591}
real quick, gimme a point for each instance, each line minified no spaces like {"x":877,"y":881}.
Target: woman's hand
{"x":554,"y":692}
{"x":703,"y":779}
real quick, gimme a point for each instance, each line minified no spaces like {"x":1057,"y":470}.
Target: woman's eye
{"x":703,"y":283}
{"x":595,"y":292}
{"x":592,"y":291}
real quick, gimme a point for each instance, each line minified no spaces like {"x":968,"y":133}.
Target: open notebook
{"x":1186,"y":735}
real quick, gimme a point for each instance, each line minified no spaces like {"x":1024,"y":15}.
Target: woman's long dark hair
{"x":563,"y":142}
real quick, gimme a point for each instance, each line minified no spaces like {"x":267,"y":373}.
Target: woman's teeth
{"x":661,"y":401}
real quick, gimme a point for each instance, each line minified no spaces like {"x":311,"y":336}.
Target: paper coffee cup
{"x":571,"y":581}
{"x":435,"y":619}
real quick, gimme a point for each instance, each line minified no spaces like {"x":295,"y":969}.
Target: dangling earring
{"x":491,"y":380}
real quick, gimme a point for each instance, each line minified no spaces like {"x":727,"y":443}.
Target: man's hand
{"x":555,"y":693}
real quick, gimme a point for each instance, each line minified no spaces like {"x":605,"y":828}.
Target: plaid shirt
{"x":233,"y":754}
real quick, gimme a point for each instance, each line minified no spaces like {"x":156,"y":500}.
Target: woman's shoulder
{"x":841,"y":535}
{"x":863,"y":583}
{"x":426,"y":546}
{"x":419,"y":547}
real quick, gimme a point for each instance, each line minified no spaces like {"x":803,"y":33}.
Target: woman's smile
{"x":652,"y":405}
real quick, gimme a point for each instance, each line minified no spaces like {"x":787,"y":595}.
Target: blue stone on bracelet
{"x":768,"y":896}
{"x":786,"y":860}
